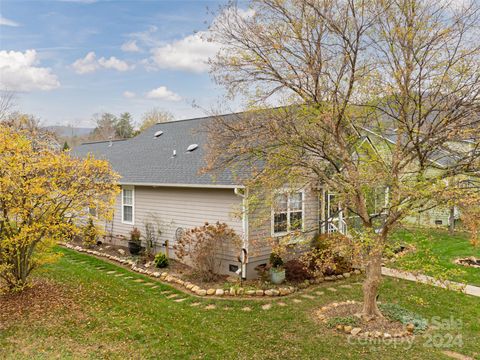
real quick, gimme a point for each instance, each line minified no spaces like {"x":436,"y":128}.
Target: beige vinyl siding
{"x":260,"y":225}
{"x":179,"y":208}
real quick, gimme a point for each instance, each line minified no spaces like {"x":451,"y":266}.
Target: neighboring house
{"x":162,"y":184}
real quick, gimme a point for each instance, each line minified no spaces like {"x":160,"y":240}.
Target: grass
{"x":118,"y":318}
{"x":435,"y":252}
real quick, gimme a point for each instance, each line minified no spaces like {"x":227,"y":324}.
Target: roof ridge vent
{"x":192,"y":147}
{"x":158,"y":134}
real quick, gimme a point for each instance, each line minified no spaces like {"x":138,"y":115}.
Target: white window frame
{"x":288,"y":193}
{"x":132,"y":188}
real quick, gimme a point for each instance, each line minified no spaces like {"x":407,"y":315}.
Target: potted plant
{"x":135,"y":244}
{"x":277,"y":271}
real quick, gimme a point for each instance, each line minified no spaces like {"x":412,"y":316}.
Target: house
{"x":162,"y":185}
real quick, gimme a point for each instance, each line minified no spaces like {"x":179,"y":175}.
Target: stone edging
{"x":473,"y":258}
{"x":195,"y":289}
{"x":358,"y":331}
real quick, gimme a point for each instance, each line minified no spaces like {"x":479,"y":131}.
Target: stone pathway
{"x":424,"y":279}
{"x":456,"y":356}
{"x":305,"y":296}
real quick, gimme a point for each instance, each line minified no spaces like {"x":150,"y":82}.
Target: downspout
{"x":243,"y":193}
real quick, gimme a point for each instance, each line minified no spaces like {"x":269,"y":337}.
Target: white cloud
{"x":86,"y":65}
{"x":146,"y":38}
{"x":114,"y":63}
{"x":130,"y":46}
{"x":193,"y":51}
{"x":8,"y":22}
{"x":190,"y":53}
{"x":20,"y":74}
{"x":162,"y":93}
{"x":128,"y":94}
{"x":90,"y":64}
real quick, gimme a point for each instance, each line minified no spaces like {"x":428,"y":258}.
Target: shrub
{"x":90,"y":233}
{"x":135,"y":235}
{"x":161,"y":260}
{"x":276,"y":260}
{"x":205,"y":246}
{"x":343,"y":320}
{"x":396,"y":312}
{"x":296,"y":271}
{"x":330,"y":254}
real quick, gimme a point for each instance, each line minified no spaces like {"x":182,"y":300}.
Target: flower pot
{"x":134,"y":247}
{"x":277,"y":275}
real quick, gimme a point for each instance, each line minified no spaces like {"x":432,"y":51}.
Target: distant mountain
{"x":69,"y":131}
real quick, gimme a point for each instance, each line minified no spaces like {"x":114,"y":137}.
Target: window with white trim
{"x":287,"y":212}
{"x":127,"y":205}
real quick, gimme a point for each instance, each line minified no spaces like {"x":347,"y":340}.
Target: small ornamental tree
{"x":204,"y":248}
{"x":43,"y":192}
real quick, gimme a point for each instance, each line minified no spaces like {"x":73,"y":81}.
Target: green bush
{"x":343,"y":320}
{"x":276,"y":260}
{"x":396,"y":312}
{"x":90,"y":233}
{"x":161,"y":260}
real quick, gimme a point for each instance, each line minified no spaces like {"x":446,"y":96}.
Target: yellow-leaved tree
{"x":43,"y":195}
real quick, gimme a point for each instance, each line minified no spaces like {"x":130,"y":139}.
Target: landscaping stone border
{"x":197,"y":290}
{"x":358,"y":331}
{"x":461,"y":261}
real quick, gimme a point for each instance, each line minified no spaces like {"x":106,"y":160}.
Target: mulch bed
{"x":40,"y":301}
{"x":177,"y":269}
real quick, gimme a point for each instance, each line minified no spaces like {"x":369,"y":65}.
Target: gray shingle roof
{"x":145,"y":159}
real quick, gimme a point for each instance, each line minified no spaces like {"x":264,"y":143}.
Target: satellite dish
{"x":158,"y":134}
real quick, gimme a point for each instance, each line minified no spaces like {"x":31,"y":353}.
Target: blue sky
{"x":70,"y":59}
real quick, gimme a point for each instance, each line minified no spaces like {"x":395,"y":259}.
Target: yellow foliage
{"x":43,"y":193}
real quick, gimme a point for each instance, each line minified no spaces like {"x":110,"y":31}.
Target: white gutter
{"x":244,"y":254}
{"x":207,"y":186}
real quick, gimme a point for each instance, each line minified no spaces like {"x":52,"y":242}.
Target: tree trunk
{"x":370,"y":287}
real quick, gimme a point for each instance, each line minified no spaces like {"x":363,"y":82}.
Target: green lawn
{"x":435,"y":252}
{"x":116,"y":317}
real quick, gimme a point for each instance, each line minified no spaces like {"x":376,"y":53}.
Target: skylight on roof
{"x":158,"y":134}
{"x":192,"y":147}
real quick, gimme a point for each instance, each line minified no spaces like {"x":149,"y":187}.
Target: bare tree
{"x":382,"y":92}
{"x":155,"y":116}
{"x":7,"y":103}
